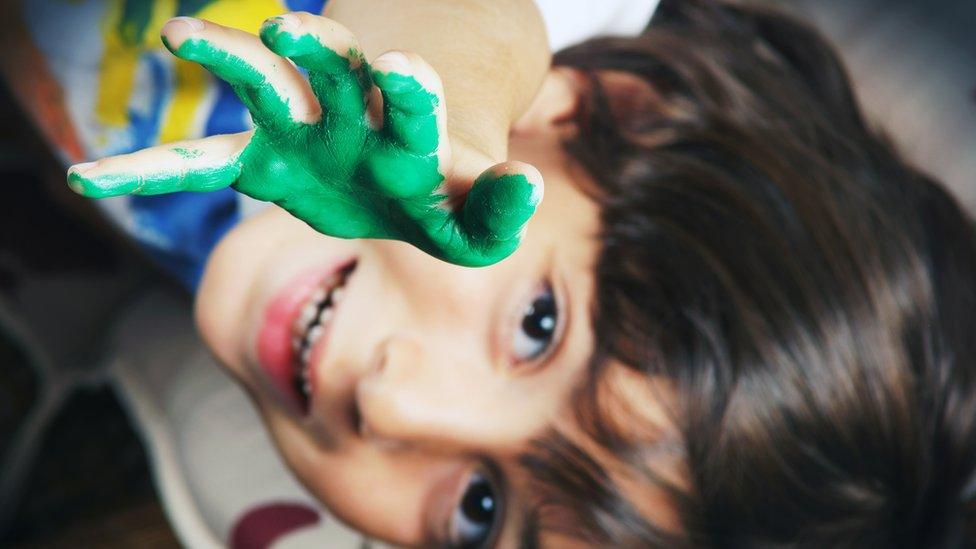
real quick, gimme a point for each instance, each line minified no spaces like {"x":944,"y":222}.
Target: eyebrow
{"x":529,"y":532}
{"x":564,"y":309}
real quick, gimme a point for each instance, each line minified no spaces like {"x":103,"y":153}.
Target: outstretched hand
{"x":322,"y":150}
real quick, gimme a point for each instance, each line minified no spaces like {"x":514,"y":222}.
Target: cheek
{"x":457,"y":405}
{"x":383,"y":493}
{"x":220,"y":297}
{"x":238,"y":270}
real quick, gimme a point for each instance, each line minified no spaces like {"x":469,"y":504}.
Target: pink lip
{"x":274,"y":349}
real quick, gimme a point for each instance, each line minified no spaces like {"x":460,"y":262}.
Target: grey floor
{"x":914,"y":66}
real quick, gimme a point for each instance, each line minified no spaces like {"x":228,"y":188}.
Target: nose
{"x":415,"y":395}
{"x":430,"y":375}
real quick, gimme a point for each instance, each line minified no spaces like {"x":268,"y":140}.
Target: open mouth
{"x":309,"y":328}
{"x":294,"y":330}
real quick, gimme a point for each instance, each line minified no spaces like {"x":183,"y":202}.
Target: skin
{"x":422,"y":384}
{"x":426,"y":353}
{"x":322,"y":160}
{"x":424,"y":350}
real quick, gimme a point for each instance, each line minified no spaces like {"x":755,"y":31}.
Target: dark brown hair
{"x":810,"y":298}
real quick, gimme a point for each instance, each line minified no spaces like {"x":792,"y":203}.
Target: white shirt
{"x":569,"y":22}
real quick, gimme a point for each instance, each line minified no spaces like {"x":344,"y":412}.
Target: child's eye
{"x":473,"y":520}
{"x":537,"y":326}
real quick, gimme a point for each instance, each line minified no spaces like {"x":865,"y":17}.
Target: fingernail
{"x":82,"y":168}
{"x":288,"y":20}
{"x":392,"y":61}
{"x":192,"y":23}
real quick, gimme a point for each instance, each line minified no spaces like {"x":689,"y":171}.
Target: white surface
{"x":210,"y":454}
{"x":569,"y":22}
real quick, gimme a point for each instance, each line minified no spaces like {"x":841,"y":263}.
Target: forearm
{"x":491,"y":55}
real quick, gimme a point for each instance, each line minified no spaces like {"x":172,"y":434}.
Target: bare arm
{"x":491,"y":55}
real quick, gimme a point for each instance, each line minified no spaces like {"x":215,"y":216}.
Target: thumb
{"x":501,"y":202}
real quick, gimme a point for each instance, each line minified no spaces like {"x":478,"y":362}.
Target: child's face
{"x":427,"y":378}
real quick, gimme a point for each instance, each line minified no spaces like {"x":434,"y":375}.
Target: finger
{"x":200,"y":165}
{"x":496,"y":211}
{"x":336,"y":68}
{"x":400,"y":174}
{"x":273,"y":90}
{"x":414,"y":112}
{"x":492,"y":222}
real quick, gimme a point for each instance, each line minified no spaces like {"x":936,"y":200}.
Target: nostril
{"x":376,"y":410}
{"x":397,"y":356}
{"x":380,"y":359}
{"x":375,"y":416}
{"x":355,"y":411}
{"x":356,"y":418}
{"x":383,"y":361}
{"x":367,"y":434}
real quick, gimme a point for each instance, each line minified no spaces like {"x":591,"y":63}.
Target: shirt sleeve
{"x":570,"y":22}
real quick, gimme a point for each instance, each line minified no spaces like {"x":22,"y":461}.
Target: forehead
{"x":567,"y":218}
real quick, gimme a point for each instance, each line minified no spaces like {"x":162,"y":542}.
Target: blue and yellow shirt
{"x":113,"y":88}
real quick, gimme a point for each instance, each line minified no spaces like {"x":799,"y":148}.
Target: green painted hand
{"x":317,"y":152}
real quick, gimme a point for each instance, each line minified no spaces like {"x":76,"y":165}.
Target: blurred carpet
{"x":90,"y":485}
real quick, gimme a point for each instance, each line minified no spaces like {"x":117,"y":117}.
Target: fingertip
{"x":78,"y":179}
{"x":274,"y":28}
{"x":534,"y":177}
{"x":177,"y":30}
{"x":287,"y":21}
{"x":312,"y":42}
{"x":394,"y":73}
{"x":531,"y":175}
{"x":502,"y":201}
{"x":399,"y":72}
{"x":82,"y":167}
{"x":392,"y":62}
{"x":76,"y":182}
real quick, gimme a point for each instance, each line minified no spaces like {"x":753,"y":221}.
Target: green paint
{"x":198,"y":180}
{"x":188,"y":154}
{"x":268,"y":109}
{"x":339,"y":175}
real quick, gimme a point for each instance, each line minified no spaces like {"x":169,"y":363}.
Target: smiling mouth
{"x":309,"y":328}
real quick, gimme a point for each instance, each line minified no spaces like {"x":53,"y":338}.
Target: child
{"x":738,"y":319}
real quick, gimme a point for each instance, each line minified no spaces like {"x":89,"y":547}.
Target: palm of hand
{"x":334,"y":170}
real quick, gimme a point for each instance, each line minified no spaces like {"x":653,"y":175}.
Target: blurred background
{"x":76,"y":454}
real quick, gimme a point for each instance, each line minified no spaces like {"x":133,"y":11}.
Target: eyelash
{"x":554,"y":332}
{"x":489,"y":477}
{"x":537,"y":306}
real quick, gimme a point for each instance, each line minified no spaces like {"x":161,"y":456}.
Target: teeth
{"x":314,"y":334}
{"x":310,"y":326}
{"x":337,"y":295}
{"x":319,"y":295}
{"x":325,"y":315}
{"x":308,"y":313}
{"x":330,"y":283}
